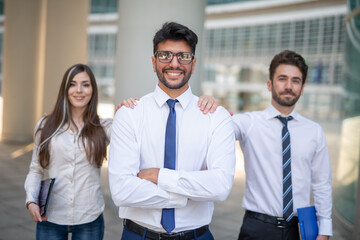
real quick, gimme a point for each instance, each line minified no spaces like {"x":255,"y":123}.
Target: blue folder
{"x":307,"y":223}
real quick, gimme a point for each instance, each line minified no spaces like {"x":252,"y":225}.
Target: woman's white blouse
{"x":76,"y":196}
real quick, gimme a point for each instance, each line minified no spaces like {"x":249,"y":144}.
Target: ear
{"x":153,"y":59}
{"x":269,"y":85}
{"x":193,"y":65}
{"x":302,"y":88}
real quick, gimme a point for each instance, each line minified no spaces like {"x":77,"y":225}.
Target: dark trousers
{"x":129,"y":235}
{"x":255,"y":229}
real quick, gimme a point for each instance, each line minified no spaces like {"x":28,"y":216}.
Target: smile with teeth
{"x":174,"y":74}
{"x":79,"y":98}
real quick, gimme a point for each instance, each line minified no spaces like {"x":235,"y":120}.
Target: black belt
{"x":185,"y":235}
{"x":277,"y":221}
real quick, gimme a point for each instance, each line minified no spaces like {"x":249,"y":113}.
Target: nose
{"x":174,"y":62}
{"x":288,"y":84}
{"x":79,"y":88}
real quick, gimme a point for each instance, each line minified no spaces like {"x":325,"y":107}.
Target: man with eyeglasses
{"x":168,"y":161}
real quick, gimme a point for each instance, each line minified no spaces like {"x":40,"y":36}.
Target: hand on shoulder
{"x":129,"y":103}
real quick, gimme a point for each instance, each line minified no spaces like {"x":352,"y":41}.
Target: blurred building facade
{"x":347,"y":188}
{"x":242,"y":38}
{"x":102,"y":32}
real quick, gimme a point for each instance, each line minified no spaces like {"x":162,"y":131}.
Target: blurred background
{"x":40,"y":39}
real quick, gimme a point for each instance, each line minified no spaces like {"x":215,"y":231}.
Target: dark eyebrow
{"x":297,"y":78}
{"x":83,"y":81}
{"x":283,"y":75}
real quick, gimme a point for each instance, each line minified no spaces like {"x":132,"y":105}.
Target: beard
{"x":284,"y":101}
{"x":161,"y":76}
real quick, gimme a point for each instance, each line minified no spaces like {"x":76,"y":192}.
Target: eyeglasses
{"x":167,"y":57}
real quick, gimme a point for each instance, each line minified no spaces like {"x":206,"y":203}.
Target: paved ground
{"x":15,"y":221}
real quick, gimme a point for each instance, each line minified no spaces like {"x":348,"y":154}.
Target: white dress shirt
{"x":205,"y":161}
{"x":259,"y":134}
{"x":76,"y":195}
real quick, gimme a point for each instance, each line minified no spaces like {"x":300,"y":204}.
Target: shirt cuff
{"x":325,"y":227}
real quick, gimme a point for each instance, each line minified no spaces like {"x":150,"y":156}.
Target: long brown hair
{"x":92,"y":132}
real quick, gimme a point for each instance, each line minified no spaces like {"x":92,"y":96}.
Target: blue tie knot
{"x":284,"y":120}
{"x":171,"y":103}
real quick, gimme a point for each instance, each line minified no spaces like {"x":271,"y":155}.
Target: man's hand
{"x":130,"y":103}
{"x":322,"y":237}
{"x":150,"y":174}
{"x":207,"y":103}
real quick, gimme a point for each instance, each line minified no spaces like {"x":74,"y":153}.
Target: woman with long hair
{"x":70,"y":146}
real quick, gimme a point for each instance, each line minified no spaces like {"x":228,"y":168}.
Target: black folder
{"x":44,"y":194}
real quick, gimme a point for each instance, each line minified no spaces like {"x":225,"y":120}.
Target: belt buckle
{"x":164,"y":236}
{"x":280,"y":222}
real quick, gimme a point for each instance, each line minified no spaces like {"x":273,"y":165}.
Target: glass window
{"x":299,"y":36}
{"x":273,"y":37}
{"x":102,"y":45}
{"x":214,"y":2}
{"x":234,"y":41}
{"x":328,"y":34}
{"x":285,"y":35}
{"x":313,"y":36}
{"x":248,"y":41}
{"x":101,"y":59}
{"x":104,"y":6}
{"x":260,"y":40}
{"x":341,"y":34}
{"x":2,"y":7}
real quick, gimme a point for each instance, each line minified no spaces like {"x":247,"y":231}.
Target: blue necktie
{"x":287,"y":184}
{"x":168,"y":214}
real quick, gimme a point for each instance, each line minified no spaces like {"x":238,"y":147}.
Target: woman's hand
{"x":130,"y":103}
{"x":322,"y":237}
{"x":34,"y":211}
{"x":208,"y":104}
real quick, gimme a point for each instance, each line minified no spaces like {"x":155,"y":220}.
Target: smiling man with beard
{"x":168,"y":161}
{"x":281,"y":171}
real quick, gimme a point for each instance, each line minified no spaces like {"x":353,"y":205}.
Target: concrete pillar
{"x":138,"y":22}
{"x":42,"y":38}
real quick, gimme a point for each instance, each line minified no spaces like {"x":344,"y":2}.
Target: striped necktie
{"x":287,"y":184}
{"x":168,"y":214}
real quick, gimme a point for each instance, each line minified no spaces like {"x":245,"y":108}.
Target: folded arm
{"x":214,"y":183}
{"x":127,"y":189}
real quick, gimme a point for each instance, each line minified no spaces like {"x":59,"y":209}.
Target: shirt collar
{"x":161,"y":97}
{"x":272,"y":112}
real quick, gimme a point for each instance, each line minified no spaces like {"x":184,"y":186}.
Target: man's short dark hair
{"x":176,"y":32}
{"x":290,"y":58}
